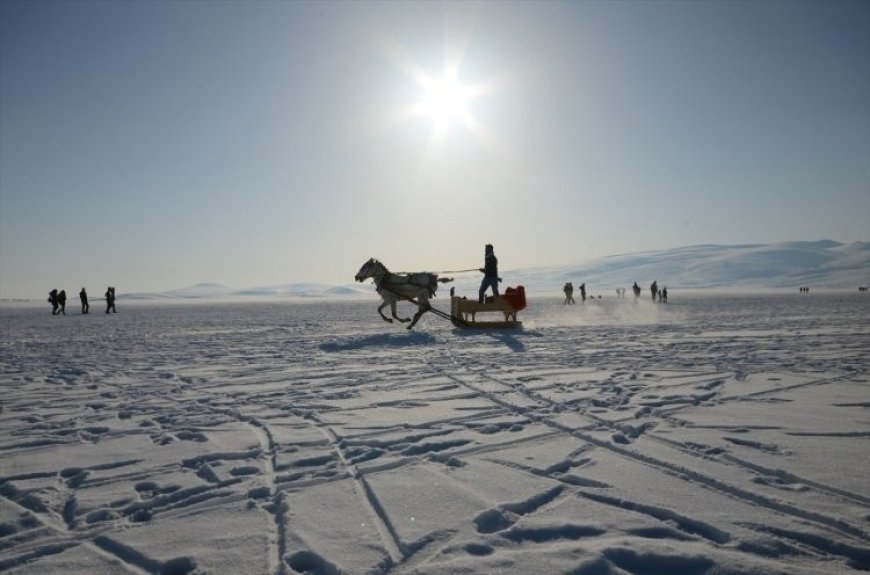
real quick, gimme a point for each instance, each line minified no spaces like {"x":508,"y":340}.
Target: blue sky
{"x":153,"y":145}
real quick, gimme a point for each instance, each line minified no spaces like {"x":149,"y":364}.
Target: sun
{"x":444,"y":100}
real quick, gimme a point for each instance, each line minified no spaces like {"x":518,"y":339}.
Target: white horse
{"x":416,"y":287}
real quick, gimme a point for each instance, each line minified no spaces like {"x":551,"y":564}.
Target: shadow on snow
{"x":408,"y":339}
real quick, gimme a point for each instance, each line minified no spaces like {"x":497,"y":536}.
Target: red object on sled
{"x":516,"y":297}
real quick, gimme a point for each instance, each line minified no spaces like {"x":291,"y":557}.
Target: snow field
{"x":720,"y":434}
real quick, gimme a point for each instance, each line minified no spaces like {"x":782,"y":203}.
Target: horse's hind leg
{"x":380,"y":311}
{"x":401,"y":319}
{"x":416,"y":317}
{"x":422,"y":308}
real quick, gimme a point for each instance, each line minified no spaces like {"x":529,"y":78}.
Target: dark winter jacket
{"x":490,"y":266}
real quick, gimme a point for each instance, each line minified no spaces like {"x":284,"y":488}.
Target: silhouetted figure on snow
{"x":569,"y":293}
{"x":654,"y":290}
{"x":83,"y":295}
{"x":110,"y":300}
{"x":636,"y":289}
{"x":52,"y":299}
{"x":583,"y":292}
{"x":664,"y":295}
{"x":61,"y":301}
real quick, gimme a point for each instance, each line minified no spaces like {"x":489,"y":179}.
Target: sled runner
{"x":463,"y":311}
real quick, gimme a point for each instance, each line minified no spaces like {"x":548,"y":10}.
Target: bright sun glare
{"x":444,"y":101}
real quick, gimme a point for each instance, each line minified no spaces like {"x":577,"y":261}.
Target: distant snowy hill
{"x":297,"y":289}
{"x":218,"y":291}
{"x":819,"y":264}
{"x":200,"y":290}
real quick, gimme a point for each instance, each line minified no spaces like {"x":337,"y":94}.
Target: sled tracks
{"x":845,"y":540}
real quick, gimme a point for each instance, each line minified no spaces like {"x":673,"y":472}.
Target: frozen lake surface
{"x":717,"y":434}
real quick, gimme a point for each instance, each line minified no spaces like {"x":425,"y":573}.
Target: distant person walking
{"x":636,"y":289}
{"x":664,"y":295}
{"x":490,"y":273}
{"x":569,"y":293}
{"x":110,"y":300}
{"x":654,"y":290}
{"x":61,"y":301}
{"x":52,"y":299}
{"x":83,"y":295}
{"x":583,"y":292}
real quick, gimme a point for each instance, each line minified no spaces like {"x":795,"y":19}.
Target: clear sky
{"x":151,"y":145}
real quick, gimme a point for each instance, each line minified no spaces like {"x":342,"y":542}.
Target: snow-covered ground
{"x":717,"y":434}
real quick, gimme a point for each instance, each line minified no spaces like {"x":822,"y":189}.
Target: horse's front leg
{"x":395,"y":311}
{"x":380,"y":311}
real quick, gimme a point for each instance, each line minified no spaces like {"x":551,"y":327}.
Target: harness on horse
{"x":395,"y":283}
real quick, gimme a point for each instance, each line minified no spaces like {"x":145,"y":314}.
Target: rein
{"x":439,"y":272}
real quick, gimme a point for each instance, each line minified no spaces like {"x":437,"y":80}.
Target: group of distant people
{"x":57,"y":299}
{"x":657,"y":294}
{"x":662,"y":294}
{"x":569,"y":293}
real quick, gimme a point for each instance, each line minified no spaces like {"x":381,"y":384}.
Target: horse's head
{"x":370,"y":269}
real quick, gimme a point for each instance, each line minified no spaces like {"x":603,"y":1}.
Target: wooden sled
{"x":463,"y":311}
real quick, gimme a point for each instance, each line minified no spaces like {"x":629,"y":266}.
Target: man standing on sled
{"x":490,"y":273}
